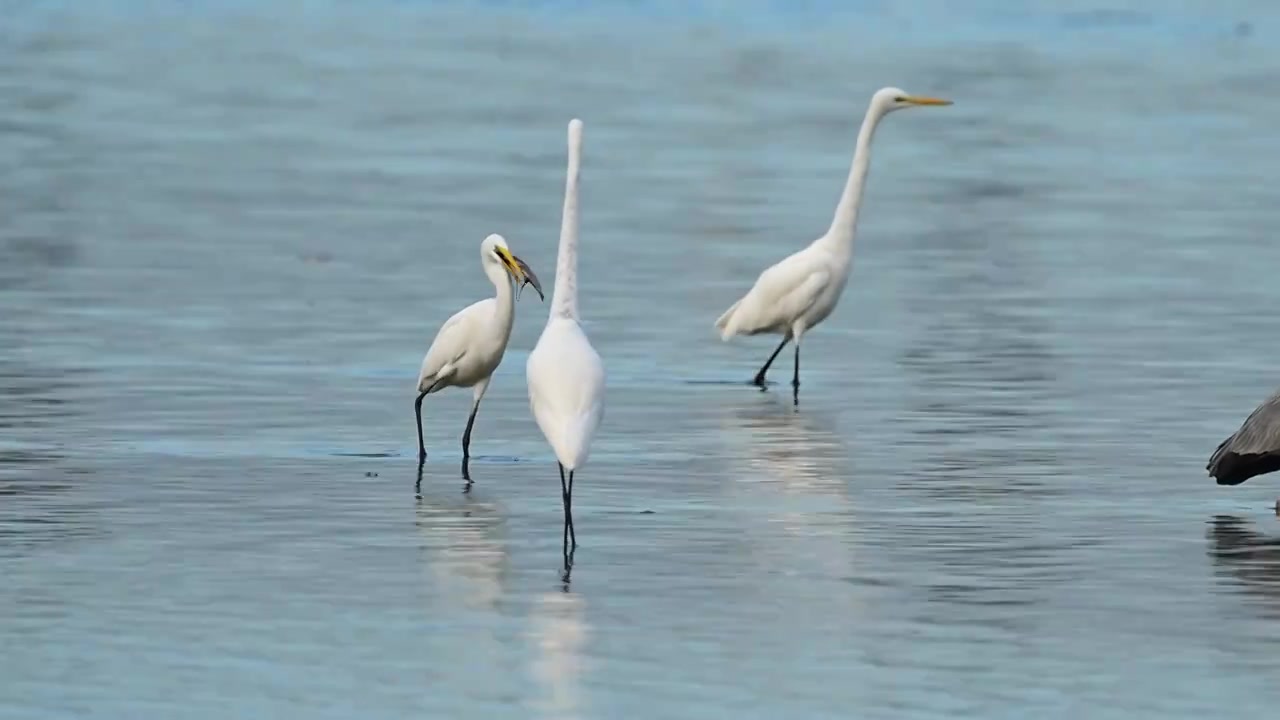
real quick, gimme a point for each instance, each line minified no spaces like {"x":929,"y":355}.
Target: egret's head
{"x":892,"y":98}
{"x":494,"y":251}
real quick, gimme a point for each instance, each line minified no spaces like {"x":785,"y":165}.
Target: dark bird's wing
{"x":1253,"y":450}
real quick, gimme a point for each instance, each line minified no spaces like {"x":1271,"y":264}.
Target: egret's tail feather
{"x":722,"y":324}
{"x":1231,"y":468}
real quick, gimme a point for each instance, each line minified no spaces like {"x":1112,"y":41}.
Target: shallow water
{"x":228,"y":233}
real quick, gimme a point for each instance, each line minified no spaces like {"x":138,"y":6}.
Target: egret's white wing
{"x":453,"y":340}
{"x":796,"y":303}
{"x":782,"y":293}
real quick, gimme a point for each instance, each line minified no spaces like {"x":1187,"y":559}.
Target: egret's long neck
{"x":505,"y":312}
{"x":564,"y":298}
{"x":840,"y":235}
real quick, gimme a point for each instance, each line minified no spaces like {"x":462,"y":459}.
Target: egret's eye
{"x":899,"y":99}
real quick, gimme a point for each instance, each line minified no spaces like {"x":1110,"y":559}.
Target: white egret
{"x":565,"y":375}
{"x":802,"y":289}
{"x":470,"y":345}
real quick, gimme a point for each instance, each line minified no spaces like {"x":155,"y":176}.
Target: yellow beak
{"x":918,"y":100}
{"x":520,"y":270}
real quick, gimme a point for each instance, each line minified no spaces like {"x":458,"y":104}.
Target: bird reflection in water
{"x":801,"y":451}
{"x":1250,"y":558}
{"x":464,"y":549}
{"x":422,"y":464}
{"x":568,"y":546}
{"x":559,"y":633}
{"x":795,"y":468}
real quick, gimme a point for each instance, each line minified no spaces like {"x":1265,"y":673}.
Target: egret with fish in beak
{"x":470,"y":345}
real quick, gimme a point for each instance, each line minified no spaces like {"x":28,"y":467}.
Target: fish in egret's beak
{"x":519,"y":270}
{"x":529,"y":278}
{"x":919,"y":100}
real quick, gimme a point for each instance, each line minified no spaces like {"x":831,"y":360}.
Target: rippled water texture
{"x":228,"y":232}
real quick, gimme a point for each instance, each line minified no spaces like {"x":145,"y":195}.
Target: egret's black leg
{"x":567,"y":552}
{"x":759,"y":379}
{"x":573,"y":537}
{"x":466,"y":442}
{"x":417,"y":411}
{"x":566,"y":496}
{"x":417,"y":487}
{"x":795,"y":380}
{"x":564,"y":501}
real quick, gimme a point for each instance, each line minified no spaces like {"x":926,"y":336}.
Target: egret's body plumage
{"x":565,"y":374}
{"x":790,"y":297}
{"x":471,"y":343}
{"x":568,"y":398}
{"x":469,"y":346}
{"x":802,"y":290}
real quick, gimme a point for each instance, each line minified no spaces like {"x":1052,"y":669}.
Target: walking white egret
{"x":470,"y":345}
{"x":565,"y":375}
{"x":801,"y":290}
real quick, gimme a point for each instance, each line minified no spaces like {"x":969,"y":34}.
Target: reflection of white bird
{"x":565,"y":375}
{"x":560,"y":630}
{"x":470,"y":344}
{"x":465,"y":551}
{"x":801,"y":290}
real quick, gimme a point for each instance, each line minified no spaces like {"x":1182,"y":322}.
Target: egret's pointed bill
{"x":920,"y":100}
{"x":519,"y":270}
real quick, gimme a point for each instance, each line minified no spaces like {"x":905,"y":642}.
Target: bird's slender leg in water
{"x":759,"y":379}
{"x":568,"y":556}
{"x":573,"y":537}
{"x":564,"y":502}
{"x":795,"y":379}
{"x":566,"y":496}
{"x":466,"y":442}
{"x":417,"y":487}
{"x":417,"y":411}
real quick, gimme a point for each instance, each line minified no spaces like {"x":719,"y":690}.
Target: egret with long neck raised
{"x":565,"y":374}
{"x":801,"y":290}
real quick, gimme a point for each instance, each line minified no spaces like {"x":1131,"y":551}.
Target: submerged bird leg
{"x":795,"y":379}
{"x":759,"y":378}
{"x":466,"y":442}
{"x":417,"y":486}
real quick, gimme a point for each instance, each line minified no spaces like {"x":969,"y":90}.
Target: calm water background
{"x":228,"y":232}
